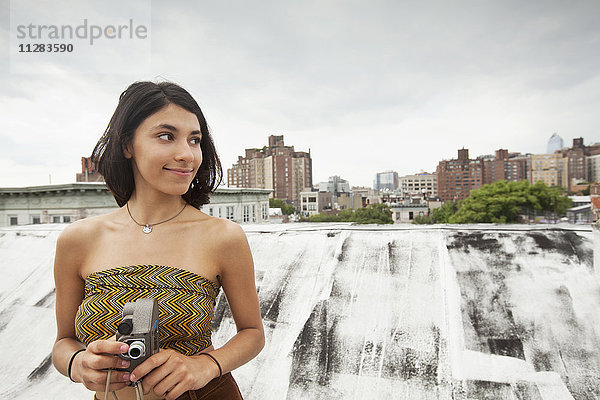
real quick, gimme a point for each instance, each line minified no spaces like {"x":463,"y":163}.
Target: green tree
{"x":324,"y":218}
{"x":503,"y":202}
{"x":286,"y":209}
{"x":373,"y":214}
{"x":441,"y":215}
{"x":422,"y":219}
{"x":499,"y":202}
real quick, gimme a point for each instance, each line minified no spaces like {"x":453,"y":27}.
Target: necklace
{"x":147,"y":228}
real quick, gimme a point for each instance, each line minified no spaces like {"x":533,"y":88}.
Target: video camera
{"x":139,"y":329}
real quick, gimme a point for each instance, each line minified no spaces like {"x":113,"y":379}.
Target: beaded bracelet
{"x":216,"y":362}
{"x":71,"y":363}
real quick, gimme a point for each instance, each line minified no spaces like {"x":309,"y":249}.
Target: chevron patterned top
{"x":186,"y":303}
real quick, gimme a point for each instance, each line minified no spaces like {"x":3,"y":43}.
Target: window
{"x":229,"y":210}
{"x":253,"y":213}
{"x":56,"y":219}
{"x":246,"y":216}
{"x":265,"y":211}
{"x":13,"y":220}
{"x":220,"y":213}
{"x":35,"y":219}
{"x":67,"y":218}
{"x":210,"y":211}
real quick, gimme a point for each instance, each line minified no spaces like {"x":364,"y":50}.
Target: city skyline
{"x":366,"y":87}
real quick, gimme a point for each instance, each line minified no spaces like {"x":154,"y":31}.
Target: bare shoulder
{"x":77,"y":239}
{"x":222,"y":231}
{"x":230,"y":252}
{"x":79,"y":232}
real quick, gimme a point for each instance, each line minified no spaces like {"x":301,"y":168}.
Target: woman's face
{"x":165,"y":152}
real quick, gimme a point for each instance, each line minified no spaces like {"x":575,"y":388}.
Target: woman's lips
{"x":180,"y":171}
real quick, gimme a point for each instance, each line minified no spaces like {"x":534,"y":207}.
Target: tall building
{"x":577,"y":171}
{"x":457,"y":177}
{"x":505,"y":166}
{"x":577,"y":168}
{"x":593,"y":165}
{"x":419,"y":184}
{"x":548,"y":168}
{"x":555,"y":143}
{"x":387,"y":180}
{"x":276,"y":166}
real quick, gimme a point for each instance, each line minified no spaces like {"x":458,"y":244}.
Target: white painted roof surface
{"x":367,"y":312}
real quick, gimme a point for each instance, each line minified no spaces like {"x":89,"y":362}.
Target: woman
{"x":159,"y":161}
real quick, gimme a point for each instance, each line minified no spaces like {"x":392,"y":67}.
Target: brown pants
{"x":224,"y":388}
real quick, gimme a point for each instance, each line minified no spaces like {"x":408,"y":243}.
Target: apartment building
{"x":505,"y":166}
{"x":457,"y":177}
{"x":548,"y":168}
{"x":277,"y":167}
{"x":422,"y":184}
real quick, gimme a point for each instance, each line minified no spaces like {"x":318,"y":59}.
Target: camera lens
{"x":136,"y":350}
{"x":125,"y":327}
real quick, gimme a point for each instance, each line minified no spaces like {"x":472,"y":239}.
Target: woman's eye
{"x":196,"y":140}
{"x":165,"y":136}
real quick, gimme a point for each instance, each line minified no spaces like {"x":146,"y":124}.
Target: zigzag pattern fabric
{"x":186,"y":304}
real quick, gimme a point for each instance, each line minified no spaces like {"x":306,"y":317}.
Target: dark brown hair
{"x":136,"y":103}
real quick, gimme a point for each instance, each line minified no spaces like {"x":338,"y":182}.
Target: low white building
{"x":405,"y":213}
{"x":69,"y":202}
{"x":54,"y":203}
{"x":242,"y":205}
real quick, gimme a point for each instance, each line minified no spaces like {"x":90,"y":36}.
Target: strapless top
{"x":186,"y":304}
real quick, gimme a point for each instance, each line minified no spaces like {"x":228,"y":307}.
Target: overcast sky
{"x":366,"y":86}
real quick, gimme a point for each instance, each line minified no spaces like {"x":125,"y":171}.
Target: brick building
{"x":505,"y":166}
{"x":88,"y":171}
{"x":577,"y":163}
{"x":457,"y":177}
{"x":276,"y":166}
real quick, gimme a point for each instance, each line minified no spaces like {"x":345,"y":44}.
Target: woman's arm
{"x":171,"y":374}
{"x":87,"y":366}
{"x":237,"y":278}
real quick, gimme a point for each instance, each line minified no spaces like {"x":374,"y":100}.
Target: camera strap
{"x":139,"y":392}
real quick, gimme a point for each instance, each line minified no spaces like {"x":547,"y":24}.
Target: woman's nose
{"x":184,"y":152}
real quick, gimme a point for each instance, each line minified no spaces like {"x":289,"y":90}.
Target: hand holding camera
{"x":139,"y":330}
{"x":90,"y":366}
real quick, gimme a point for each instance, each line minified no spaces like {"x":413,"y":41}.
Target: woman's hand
{"x":170,"y":374}
{"x":89,"y":366}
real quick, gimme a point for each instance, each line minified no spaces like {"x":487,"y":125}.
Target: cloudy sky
{"x":366,"y":86}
